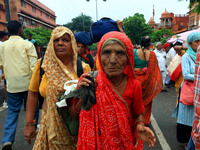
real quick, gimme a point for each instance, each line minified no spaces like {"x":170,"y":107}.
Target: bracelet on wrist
{"x":138,"y":121}
{"x":73,"y":108}
{"x":30,"y":123}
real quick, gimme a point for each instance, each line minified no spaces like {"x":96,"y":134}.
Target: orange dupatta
{"x":151,"y":82}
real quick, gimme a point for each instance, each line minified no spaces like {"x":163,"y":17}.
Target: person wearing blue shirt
{"x":29,"y":38}
{"x":186,"y":112}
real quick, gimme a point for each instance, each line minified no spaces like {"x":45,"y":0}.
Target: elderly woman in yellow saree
{"x":60,"y":65}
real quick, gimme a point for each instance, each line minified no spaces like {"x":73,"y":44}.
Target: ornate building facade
{"x":31,"y":13}
{"x":177,"y":23}
{"x":194,"y":21}
{"x":3,"y":21}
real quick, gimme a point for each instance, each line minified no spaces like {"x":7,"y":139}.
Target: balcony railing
{"x":167,"y":24}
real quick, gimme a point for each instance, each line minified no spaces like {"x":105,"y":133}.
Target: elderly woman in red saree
{"x":116,"y":120}
{"x":148,"y":73}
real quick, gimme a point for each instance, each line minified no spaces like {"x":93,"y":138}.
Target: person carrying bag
{"x":187,"y":91}
{"x":185,"y":115}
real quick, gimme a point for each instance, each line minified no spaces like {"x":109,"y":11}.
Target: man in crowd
{"x":167,"y":47}
{"x":30,"y":39}
{"x":161,"y":56}
{"x":17,"y":58}
{"x":3,"y":38}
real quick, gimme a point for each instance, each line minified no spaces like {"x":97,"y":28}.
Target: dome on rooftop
{"x":166,"y":14}
{"x":151,"y":22}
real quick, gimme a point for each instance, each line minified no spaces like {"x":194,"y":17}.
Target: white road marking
{"x":159,"y":134}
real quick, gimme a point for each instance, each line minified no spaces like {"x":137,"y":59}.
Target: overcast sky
{"x":65,"y":10}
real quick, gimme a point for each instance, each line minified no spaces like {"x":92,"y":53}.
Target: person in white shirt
{"x":167,"y":47}
{"x":172,"y":51}
{"x":160,"y":50}
{"x":161,"y":56}
{"x":18,"y":58}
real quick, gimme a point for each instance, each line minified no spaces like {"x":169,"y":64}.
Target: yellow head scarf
{"x":57,"y":74}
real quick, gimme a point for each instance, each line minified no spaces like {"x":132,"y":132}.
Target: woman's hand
{"x":120,"y":25}
{"x":84,"y":80}
{"x":29,"y":133}
{"x":146,"y":134}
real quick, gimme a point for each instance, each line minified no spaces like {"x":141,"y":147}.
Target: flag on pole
{"x":153,"y":12}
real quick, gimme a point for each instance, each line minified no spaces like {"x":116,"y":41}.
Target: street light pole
{"x":82,"y":12}
{"x":96,"y":8}
{"x":96,"y":11}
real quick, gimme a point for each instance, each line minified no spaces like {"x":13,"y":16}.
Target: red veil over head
{"x":109,"y":123}
{"x":129,"y":47}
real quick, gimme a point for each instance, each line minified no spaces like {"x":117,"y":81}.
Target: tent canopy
{"x":182,"y":36}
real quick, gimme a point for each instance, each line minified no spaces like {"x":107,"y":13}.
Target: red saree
{"x":109,"y":123}
{"x":151,"y":82}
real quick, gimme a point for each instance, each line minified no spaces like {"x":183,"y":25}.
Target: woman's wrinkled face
{"x":114,"y":59}
{"x":63,"y":45}
{"x":81,"y":49}
{"x":194,"y":45}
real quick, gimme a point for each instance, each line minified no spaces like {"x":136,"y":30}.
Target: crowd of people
{"x":128,"y":79}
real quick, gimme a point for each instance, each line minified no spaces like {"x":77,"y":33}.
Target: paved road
{"x":163,"y":107}
{"x":162,"y":123}
{"x":1,"y":93}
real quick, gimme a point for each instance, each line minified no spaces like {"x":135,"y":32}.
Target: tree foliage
{"x":135,"y":27}
{"x":93,"y":46}
{"x":161,"y":35}
{"x":41,"y":35}
{"x":80,"y":23}
{"x":196,"y":8}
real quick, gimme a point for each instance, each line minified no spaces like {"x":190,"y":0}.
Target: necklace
{"x":118,"y":83}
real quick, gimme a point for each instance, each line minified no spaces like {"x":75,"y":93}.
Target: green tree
{"x":93,"y":46}
{"x":161,"y":35}
{"x":196,"y":8}
{"x":135,"y":27}
{"x":41,"y":35}
{"x":80,"y":23}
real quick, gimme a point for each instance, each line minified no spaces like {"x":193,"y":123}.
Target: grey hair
{"x":158,"y":43}
{"x":112,"y":41}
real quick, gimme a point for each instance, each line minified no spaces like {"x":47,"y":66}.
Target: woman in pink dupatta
{"x":116,"y":120}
